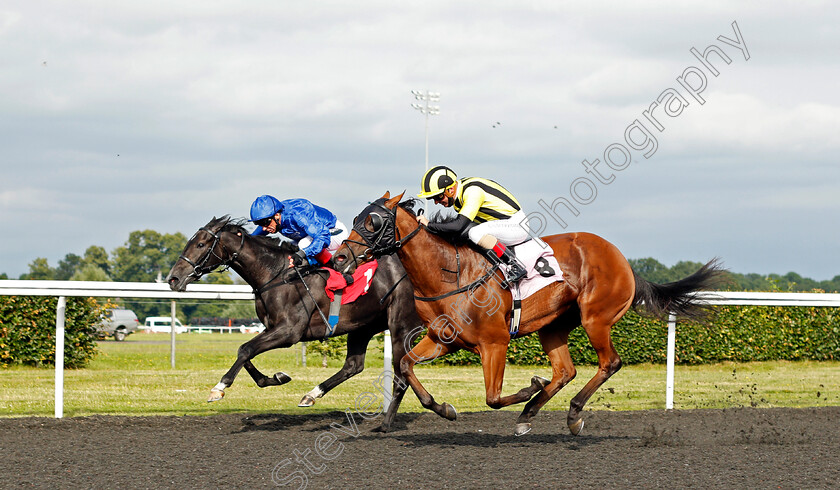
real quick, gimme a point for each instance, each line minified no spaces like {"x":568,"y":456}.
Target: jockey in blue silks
{"x":317,"y":231}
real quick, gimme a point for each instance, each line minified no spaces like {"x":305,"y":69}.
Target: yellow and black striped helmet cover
{"x":436,"y":180}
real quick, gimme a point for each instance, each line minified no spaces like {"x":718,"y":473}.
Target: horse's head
{"x":375,"y":233}
{"x":204,"y":253}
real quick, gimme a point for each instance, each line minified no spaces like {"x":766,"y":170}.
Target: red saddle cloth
{"x":361,"y":282}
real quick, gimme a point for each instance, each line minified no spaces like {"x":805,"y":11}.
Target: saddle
{"x":338,"y":285}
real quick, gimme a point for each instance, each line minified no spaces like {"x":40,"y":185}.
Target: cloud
{"x":161,"y":115}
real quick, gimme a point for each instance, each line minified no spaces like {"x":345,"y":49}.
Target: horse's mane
{"x":438,"y":217}
{"x":409,"y":204}
{"x":285,"y":246}
{"x":237,"y":225}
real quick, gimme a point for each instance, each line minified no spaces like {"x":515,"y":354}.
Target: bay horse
{"x":287,"y":302}
{"x":599,"y":287}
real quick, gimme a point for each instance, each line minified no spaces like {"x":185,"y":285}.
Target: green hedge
{"x":27,"y":330}
{"x":736,"y":333}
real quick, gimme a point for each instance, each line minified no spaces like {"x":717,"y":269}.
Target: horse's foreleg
{"x":425,"y":351}
{"x":555,"y":344}
{"x":493,"y":358}
{"x":354,"y":363}
{"x":262,"y":342}
{"x":279,"y":378}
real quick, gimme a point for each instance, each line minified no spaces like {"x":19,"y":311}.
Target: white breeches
{"x":335,"y":240}
{"x":509,"y":231}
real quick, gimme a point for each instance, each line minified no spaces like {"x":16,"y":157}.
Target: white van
{"x":162,"y":324}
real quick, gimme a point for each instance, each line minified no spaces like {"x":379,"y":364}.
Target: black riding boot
{"x":516,"y":271}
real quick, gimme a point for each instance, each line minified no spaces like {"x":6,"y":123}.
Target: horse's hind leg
{"x":426,"y":350}
{"x":555,"y":344}
{"x":399,"y":384}
{"x":354,"y":363}
{"x":608,"y":364}
{"x":397,"y":393}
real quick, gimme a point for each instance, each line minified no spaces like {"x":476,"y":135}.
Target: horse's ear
{"x":387,"y":195}
{"x":392,"y":203}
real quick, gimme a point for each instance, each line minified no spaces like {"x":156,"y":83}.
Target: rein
{"x":469,"y":287}
{"x":270,"y":284}
{"x":391,"y":290}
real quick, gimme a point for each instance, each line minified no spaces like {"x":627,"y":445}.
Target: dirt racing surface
{"x":733,"y":448}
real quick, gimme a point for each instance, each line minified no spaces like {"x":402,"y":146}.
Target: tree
{"x":218,"y":278}
{"x":650,"y":269}
{"x":751,"y":282}
{"x":214,"y":308}
{"x":3,"y":275}
{"x":239,"y":309}
{"x":832,"y":285}
{"x":90,"y":272}
{"x":683,"y":268}
{"x":145,"y":254}
{"x":67,"y":266}
{"x":39,"y":269}
{"x":97,"y":256}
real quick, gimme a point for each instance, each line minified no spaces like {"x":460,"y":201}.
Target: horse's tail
{"x":678,"y":297}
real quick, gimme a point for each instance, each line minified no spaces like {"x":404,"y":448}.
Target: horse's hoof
{"x":282,"y":378}
{"x":449,"y":412}
{"x":522,"y":429}
{"x":215,"y":395}
{"x":540,"y":381}
{"x":381,"y":429}
{"x":306,"y":401}
{"x":576,"y":427}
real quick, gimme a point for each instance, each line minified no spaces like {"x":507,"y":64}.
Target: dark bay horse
{"x":599,"y":287}
{"x":288,"y":311}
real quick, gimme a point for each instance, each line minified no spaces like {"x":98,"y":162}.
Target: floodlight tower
{"x":427,"y":110}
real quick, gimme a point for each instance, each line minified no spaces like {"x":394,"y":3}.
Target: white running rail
{"x":63,"y":289}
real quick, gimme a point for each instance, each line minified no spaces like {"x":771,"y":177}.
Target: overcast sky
{"x":119,"y":116}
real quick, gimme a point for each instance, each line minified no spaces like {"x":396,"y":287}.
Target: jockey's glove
{"x":300,"y":258}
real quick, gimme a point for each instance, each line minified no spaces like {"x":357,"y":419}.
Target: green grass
{"x":134,"y":378}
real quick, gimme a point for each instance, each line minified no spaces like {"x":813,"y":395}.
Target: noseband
{"x":200,"y":267}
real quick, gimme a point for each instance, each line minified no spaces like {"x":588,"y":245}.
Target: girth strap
{"x":516,"y":313}
{"x":335,"y":308}
{"x":388,"y":293}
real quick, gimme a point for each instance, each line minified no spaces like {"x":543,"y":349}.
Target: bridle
{"x":385,"y":238}
{"x":200,"y":266}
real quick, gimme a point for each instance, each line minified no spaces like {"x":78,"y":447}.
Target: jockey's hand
{"x":299,"y":258}
{"x":423,"y":220}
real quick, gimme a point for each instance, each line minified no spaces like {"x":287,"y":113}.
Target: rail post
{"x":669,"y":373}
{"x":388,"y":372}
{"x":59,"y":356}
{"x":172,"y":336}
